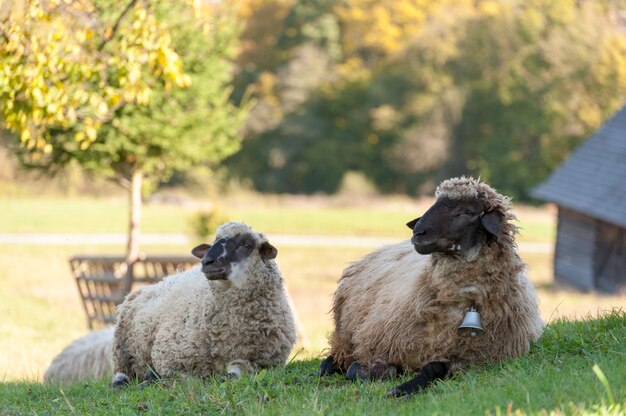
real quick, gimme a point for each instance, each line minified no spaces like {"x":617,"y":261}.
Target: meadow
{"x":41,"y":311}
{"x":575,"y":369}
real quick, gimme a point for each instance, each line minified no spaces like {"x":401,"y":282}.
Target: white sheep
{"x":398,"y":310}
{"x":230,"y":314}
{"x":88,"y":357}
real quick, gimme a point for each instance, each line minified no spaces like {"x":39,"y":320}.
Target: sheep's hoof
{"x":328,"y":367}
{"x":150,"y":377}
{"x":357,"y":371}
{"x":397,"y":392}
{"x":234,"y":372}
{"x":404,"y":390}
{"x":382,"y":371}
{"x":120,"y":380}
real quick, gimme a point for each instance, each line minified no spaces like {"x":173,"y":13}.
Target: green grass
{"x":557,"y":377}
{"x":99,"y":215}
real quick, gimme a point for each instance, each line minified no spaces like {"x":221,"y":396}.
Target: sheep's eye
{"x":248,"y":244}
{"x":470,"y":212}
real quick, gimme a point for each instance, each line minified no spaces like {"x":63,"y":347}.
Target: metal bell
{"x":471,"y":324}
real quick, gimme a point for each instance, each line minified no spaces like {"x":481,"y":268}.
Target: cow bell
{"x":471,"y":324}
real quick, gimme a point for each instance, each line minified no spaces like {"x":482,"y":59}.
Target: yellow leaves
{"x":353,"y":69}
{"x":86,"y":34}
{"x":113,"y":96}
{"x":36,"y":11}
{"x":611,"y":68}
{"x":249,"y":8}
{"x":52,"y":75}
{"x":88,"y":134}
{"x":143,"y":96}
{"x":25,"y":136}
{"x":91,"y":133}
{"x":141,"y":14}
{"x":387,"y":27}
{"x":134,"y":74}
{"x":490,"y":8}
{"x":590,"y":116}
{"x":37,"y":96}
{"x":102,"y":109}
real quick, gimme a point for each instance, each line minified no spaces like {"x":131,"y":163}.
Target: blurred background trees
{"x":410,"y":92}
{"x":402,"y":92}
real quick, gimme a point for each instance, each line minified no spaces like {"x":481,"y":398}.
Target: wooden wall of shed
{"x":610,"y":258}
{"x":575,"y":247}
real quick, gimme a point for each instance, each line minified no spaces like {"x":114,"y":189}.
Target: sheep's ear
{"x":200,"y":250}
{"x":411,"y":224}
{"x":491,"y":223}
{"x":267,"y":251}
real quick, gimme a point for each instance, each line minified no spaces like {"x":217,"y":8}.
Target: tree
{"x":373,"y":30}
{"x":501,"y":90}
{"x":131,"y":91}
{"x":537,"y":78}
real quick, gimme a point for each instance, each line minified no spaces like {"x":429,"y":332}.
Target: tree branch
{"x":115,"y":26}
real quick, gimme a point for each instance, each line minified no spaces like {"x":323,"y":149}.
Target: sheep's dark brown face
{"x":219,"y":259}
{"x":454,"y":227}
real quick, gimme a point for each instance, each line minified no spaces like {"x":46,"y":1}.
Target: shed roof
{"x":593,"y":179}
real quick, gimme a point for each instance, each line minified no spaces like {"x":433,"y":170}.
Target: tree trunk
{"x":134,"y":207}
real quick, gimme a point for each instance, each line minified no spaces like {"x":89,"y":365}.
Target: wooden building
{"x":589,"y":189}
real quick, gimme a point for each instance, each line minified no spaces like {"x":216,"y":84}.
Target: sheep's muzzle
{"x":216,"y":261}
{"x":424,"y":248}
{"x":215,"y":273}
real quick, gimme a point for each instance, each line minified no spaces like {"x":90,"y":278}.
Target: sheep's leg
{"x":150,"y":377}
{"x":328,"y":367}
{"x":378,"y":370}
{"x":355,"y":371}
{"x":435,"y":370}
{"x":120,"y":380}
{"x":381,"y":370}
{"x":237,"y":368}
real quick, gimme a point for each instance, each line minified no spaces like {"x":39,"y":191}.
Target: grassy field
{"x":577,"y":368}
{"x":42,"y":312}
{"x":309,"y":216}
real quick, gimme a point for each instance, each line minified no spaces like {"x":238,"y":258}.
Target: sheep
{"x":88,"y":357}
{"x":397,"y":311}
{"x":228,"y":315}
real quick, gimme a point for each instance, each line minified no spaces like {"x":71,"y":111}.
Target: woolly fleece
{"x":188,"y":324}
{"x":403,"y":308}
{"x":88,"y":357}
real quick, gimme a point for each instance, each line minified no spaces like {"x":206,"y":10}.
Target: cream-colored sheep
{"x":400,"y":310}
{"x":88,"y":357}
{"x":230,"y":314}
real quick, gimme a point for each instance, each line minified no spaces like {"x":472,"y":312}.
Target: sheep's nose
{"x":215,"y":252}
{"x":418,"y":233}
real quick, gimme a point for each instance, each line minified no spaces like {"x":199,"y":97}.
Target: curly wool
{"x":468,"y":187}
{"x":403,"y":308}
{"x":88,"y":357}
{"x":188,"y":324}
